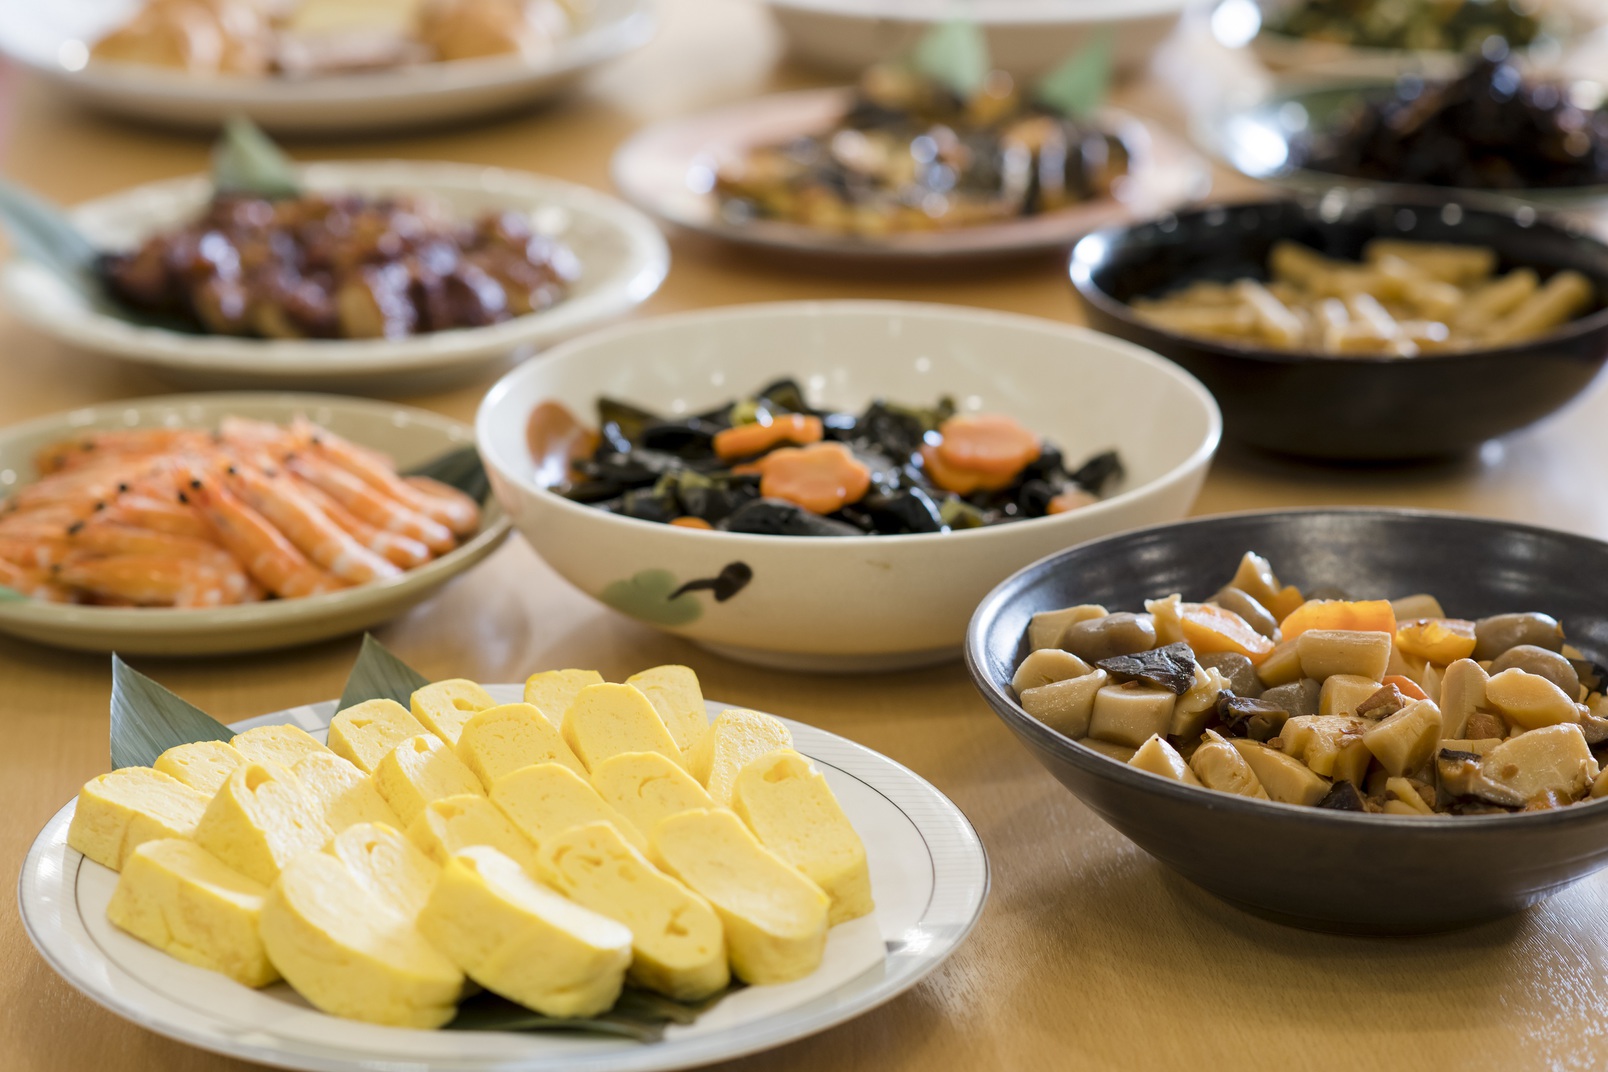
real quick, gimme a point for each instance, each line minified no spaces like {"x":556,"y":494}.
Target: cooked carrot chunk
{"x":1071,"y":499}
{"x":1440,"y":640}
{"x":1356,"y":616}
{"x":1285,"y":601}
{"x":747,"y":440}
{"x":988,"y":443}
{"x":687,"y":521}
{"x":1406,"y":686}
{"x":1213,"y":629}
{"x":959,"y":481}
{"x":822,"y":477}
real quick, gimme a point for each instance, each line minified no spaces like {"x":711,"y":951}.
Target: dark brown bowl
{"x":1318,"y":869}
{"x":1351,"y":409}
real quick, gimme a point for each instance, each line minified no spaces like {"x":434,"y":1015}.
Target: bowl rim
{"x":1198,"y":457}
{"x":1016,"y":718}
{"x":998,"y":13}
{"x":1082,"y":257}
{"x":495,"y":526}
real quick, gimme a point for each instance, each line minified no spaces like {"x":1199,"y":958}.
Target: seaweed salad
{"x":771,"y":464}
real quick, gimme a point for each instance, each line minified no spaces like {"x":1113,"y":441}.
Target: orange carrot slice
{"x":1285,"y":601}
{"x":746,"y":440}
{"x":687,"y":521}
{"x":1071,"y":499}
{"x":822,"y":477}
{"x":1440,"y":640}
{"x":1406,"y":686}
{"x":1212,"y":629}
{"x":988,"y":443}
{"x":959,"y":481}
{"x":1357,"y":616}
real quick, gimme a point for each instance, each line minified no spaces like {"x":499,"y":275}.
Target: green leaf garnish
{"x":42,"y":233}
{"x":1079,"y":85}
{"x":379,"y":675}
{"x":461,"y":469}
{"x":955,"y":55}
{"x":246,"y":161}
{"x":639,"y":1014}
{"x":147,"y":719}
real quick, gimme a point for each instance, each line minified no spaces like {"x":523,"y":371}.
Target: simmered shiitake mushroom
{"x":1370,"y":705}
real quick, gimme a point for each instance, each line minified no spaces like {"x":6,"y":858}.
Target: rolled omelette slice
{"x":517,"y":938}
{"x":283,"y":744}
{"x":677,"y":943}
{"x":202,"y":765}
{"x":419,"y":770}
{"x":178,"y":897}
{"x":675,"y":693}
{"x":735,"y":739}
{"x":260,"y":821}
{"x":348,"y":957}
{"x":502,"y":739}
{"x":646,"y":787}
{"x":366,"y":733}
{"x":549,"y":798}
{"x":552,"y":691}
{"x":344,"y":795}
{"x":775,"y":919}
{"x":606,"y":720}
{"x":466,"y":820}
{"x":444,"y":706}
{"x":119,"y":811}
{"x":396,"y":873}
{"x":791,"y":809}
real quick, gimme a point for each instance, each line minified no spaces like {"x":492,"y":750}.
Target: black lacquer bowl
{"x":1318,"y":869}
{"x":1352,"y":409}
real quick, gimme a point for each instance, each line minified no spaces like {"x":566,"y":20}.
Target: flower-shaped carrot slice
{"x":988,"y":443}
{"x":960,"y":481}
{"x":747,"y":440}
{"x":822,"y":477}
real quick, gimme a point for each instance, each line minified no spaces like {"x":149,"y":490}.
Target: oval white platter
{"x":929,"y":875}
{"x":668,"y":169}
{"x":623,"y":260}
{"x":53,"y":38}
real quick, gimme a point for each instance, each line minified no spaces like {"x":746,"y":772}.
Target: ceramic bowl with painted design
{"x":848,"y":603}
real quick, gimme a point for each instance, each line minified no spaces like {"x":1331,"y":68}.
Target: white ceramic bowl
{"x":862,"y":602}
{"x":52,"y":38}
{"x":1028,"y":38}
{"x":623,"y":259}
{"x":411,"y":436}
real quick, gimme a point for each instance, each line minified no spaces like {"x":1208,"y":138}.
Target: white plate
{"x":667,"y":171}
{"x":411,"y":436}
{"x":623,"y":259}
{"x":929,"y":876}
{"x":51,"y":37}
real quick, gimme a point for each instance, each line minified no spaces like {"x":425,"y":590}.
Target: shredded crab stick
{"x":748,"y":440}
{"x":979,"y":452}
{"x":822,"y":477}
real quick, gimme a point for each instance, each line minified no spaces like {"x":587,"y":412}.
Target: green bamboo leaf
{"x":43,"y":233}
{"x":246,"y":161}
{"x":638,"y":1014}
{"x":955,"y":55}
{"x":461,"y":469}
{"x":147,"y":719}
{"x":1079,"y":85}
{"x":379,"y":675}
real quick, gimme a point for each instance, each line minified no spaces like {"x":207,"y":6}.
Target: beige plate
{"x":411,"y":436}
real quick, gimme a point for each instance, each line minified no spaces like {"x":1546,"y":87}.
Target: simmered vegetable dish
{"x":351,"y":267}
{"x":1417,"y":25}
{"x":1404,"y":299}
{"x":1367,"y":705}
{"x":910,"y":155}
{"x":772,"y":464}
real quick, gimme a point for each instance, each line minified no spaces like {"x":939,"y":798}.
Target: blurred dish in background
{"x":319,"y":65}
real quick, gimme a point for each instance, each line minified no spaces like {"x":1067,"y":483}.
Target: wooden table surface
{"x":1089,"y":953}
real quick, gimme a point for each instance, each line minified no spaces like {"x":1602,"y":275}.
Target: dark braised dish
{"x":772,"y":464}
{"x":1490,"y":129}
{"x":909,"y":154}
{"x":1415,"y":25}
{"x":1318,"y":699}
{"x":350,"y":267}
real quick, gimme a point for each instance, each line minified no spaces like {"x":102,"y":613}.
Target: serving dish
{"x":668,"y":171}
{"x":928,"y":868}
{"x":53,"y":39}
{"x":1355,"y":408}
{"x":623,"y":260}
{"x":850,"y":603}
{"x":411,"y":436}
{"x":1376,"y":874}
{"x":1025,"y":37}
